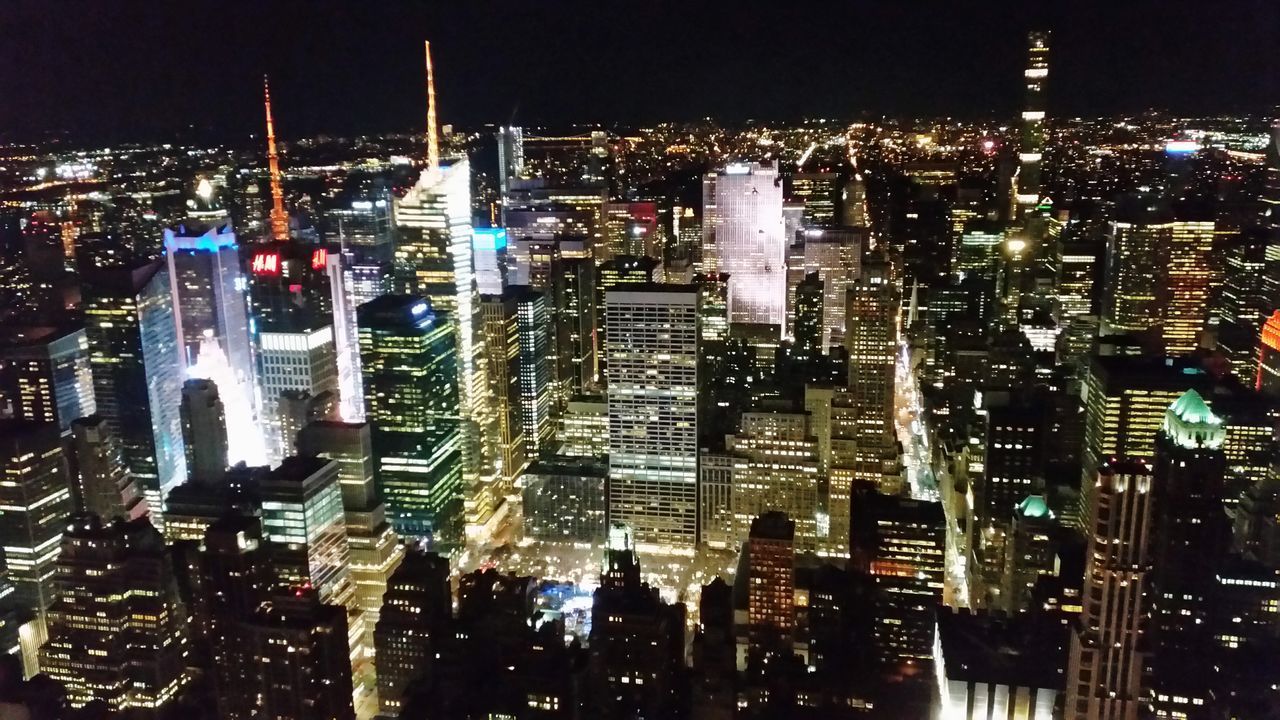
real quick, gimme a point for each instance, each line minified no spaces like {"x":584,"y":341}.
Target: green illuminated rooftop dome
{"x":1191,"y":424}
{"x":1034,"y":506}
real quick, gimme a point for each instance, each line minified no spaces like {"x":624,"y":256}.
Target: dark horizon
{"x":140,"y":71}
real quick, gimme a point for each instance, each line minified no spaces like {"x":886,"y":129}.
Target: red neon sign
{"x":319,"y":258}
{"x":266,"y":263}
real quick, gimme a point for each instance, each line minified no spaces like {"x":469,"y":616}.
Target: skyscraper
{"x":1189,"y":278}
{"x":872,"y":343}
{"x":1190,"y":538}
{"x":35,"y":501}
{"x":433,"y":260}
{"x":118,"y":629}
{"x":45,"y":374}
{"x":137,"y":371}
{"x":502,"y":341}
{"x":204,"y":430}
{"x":1126,"y":399}
{"x":835,"y":253}
{"x":653,"y":413}
{"x":771,"y":559}
{"x":409,"y":360}
{"x":1031,"y":145}
{"x":102,"y":484}
{"x":375,"y":551}
{"x":299,"y":646}
{"x":1267,"y":376}
{"x":211,"y":310}
{"x":1137,"y":247}
{"x":1108,"y":649}
{"x":901,"y":543}
{"x":297,"y":348}
{"x":416,"y":612}
{"x":743,"y":235}
{"x":516,"y":325}
{"x":302,"y":516}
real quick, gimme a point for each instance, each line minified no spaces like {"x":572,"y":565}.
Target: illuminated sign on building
{"x":266,"y":263}
{"x":319,"y":258}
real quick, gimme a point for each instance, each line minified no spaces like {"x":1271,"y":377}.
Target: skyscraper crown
{"x":1190,"y":423}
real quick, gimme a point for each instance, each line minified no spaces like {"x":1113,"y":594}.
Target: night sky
{"x":143,"y":69}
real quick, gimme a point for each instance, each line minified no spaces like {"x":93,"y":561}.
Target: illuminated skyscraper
{"x":653,"y":413}
{"x":118,"y":630}
{"x":617,"y":271}
{"x":433,"y":260}
{"x":872,"y":343}
{"x":771,"y":560}
{"x":818,"y":191}
{"x":503,"y":343}
{"x":1244,"y":305}
{"x":1267,"y":377}
{"x":302,"y":516}
{"x":1126,"y":398}
{"x":743,"y":235}
{"x":408,"y":357}
{"x":631,"y":228}
{"x":489,"y":255}
{"x":1159,"y":274}
{"x":44,"y":374}
{"x":35,"y":500}
{"x":210,"y":305}
{"x":516,"y":325}
{"x":374,"y":547}
{"x":1078,"y":273}
{"x":297,"y":350}
{"x":510,"y":155}
{"x":1031,"y":145}
{"x":776,"y":467}
{"x":1271,"y":219}
{"x":1189,"y":278}
{"x":137,"y":371}
{"x":1108,"y":650}
{"x":835,"y":253}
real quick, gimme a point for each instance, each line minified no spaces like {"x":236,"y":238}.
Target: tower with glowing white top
{"x":433,"y":259}
{"x":743,"y":235}
{"x":1031,"y":146}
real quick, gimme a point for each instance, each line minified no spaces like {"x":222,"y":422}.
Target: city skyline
{"x":809,"y":419}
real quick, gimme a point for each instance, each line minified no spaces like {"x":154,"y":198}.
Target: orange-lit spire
{"x":279,"y":220}
{"x":433,"y":143}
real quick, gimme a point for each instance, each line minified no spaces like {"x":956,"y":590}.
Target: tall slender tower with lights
{"x":433,"y":260}
{"x":279,"y":220}
{"x":1031,"y":145}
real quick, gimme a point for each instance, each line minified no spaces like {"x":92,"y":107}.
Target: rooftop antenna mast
{"x":433,"y":142}
{"x":279,"y":220}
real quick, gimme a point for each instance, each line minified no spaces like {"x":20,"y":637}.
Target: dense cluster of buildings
{"x":905,"y":420}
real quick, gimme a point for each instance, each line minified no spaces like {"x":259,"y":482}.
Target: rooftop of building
{"x":1023,"y":650}
{"x":18,"y":336}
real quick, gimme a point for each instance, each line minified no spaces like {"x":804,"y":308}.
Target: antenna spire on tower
{"x":279,"y":220}
{"x":433,"y":142}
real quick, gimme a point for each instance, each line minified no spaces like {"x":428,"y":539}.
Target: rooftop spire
{"x":279,"y":220}
{"x":433,"y":143}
